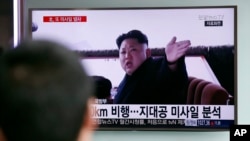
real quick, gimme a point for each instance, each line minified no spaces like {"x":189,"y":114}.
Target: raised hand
{"x":175,"y":50}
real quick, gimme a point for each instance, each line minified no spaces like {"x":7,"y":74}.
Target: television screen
{"x":168,"y":68}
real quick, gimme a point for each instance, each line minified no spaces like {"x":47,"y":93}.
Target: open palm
{"x":175,"y":50}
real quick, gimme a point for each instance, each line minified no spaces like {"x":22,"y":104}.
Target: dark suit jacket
{"x":154,"y":83}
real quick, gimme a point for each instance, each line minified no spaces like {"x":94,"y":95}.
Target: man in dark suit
{"x":148,"y":80}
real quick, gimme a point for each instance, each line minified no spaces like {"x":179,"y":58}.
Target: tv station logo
{"x":239,"y":132}
{"x":212,"y":20}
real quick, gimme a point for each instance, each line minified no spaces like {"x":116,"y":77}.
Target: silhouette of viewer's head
{"x":44,"y":93}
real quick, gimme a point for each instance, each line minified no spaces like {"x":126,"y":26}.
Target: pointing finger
{"x":172,"y":41}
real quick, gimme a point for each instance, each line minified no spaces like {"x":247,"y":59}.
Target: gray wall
{"x":243,"y":51}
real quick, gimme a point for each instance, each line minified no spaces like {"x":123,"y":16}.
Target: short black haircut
{"x":102,"y":87}
{"x":44,"y":92}
{"x":133,"y":34}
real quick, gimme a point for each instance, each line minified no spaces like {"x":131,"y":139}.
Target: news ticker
{"x":164,"y":123}
{"x":188,"y":112}
{"x":239,"y":132}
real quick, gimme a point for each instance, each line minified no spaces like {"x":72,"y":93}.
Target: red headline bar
{"x":64,"y":18}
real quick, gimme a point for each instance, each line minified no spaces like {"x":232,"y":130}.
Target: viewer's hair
{"x":133,"y":34}
{"x":44,"y":91}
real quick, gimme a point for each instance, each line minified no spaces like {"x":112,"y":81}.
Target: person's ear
{"x":2,"y":137}
{"x":89,"y":126}
{"x":89,"y":120}
{"x":148,"y":52}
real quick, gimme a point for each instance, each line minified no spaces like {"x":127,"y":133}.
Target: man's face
{"x":132,"y":54}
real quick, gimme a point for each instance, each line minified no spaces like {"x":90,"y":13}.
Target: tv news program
{"x":210,"y":61}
